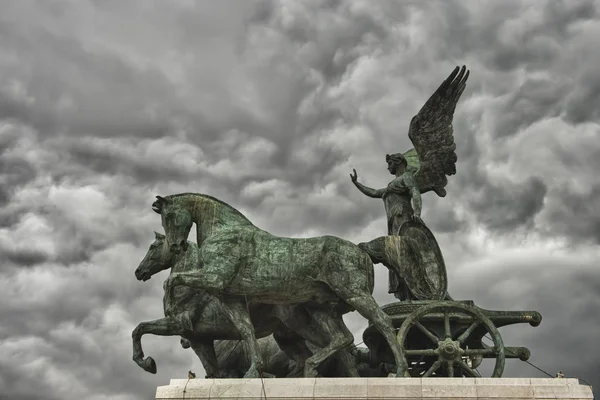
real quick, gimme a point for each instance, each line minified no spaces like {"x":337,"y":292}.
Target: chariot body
{"x":448,"y":338}
{"x":439,"y":336}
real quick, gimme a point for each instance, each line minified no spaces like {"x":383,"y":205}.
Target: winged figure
{"x":419,"y":170}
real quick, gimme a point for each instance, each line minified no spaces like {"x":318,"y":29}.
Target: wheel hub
{"x":449,"y":350}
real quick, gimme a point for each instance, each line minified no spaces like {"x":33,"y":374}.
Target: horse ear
{"x":158,"y":236}
{"x":158,"y":204}
{"x":163,"y":200}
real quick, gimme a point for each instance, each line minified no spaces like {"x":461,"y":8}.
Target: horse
{"x":243,"y":264}
{"x":200,"y":319}
{"x":234,"y":359}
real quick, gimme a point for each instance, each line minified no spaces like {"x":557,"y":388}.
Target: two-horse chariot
{"x":308,"y":284}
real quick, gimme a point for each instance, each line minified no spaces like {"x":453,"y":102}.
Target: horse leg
{"x":205,"y":350}
{"x":369,"y":309}
{"x":316,"y":332}
{"x":294,"y":347}
{"x":339,"y":334}
{"x":240,"y":318}
{"x":162,"y":327}
{"x":348,"y":363}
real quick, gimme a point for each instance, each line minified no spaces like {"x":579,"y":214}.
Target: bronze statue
{"x":201,"y":320}
{"x":417,"y":269}
{"x":284,"y":298}
{"x":244,"y":265}
{"x":397,"y":195}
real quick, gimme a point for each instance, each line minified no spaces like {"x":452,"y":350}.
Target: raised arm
{"x":375,"y":193}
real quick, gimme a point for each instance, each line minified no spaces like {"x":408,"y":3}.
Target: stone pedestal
{"x":376,"y":388}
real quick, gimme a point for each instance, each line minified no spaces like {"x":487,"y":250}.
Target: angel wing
{"x":430,"y":131}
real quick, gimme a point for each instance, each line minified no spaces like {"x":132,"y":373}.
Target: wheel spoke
{"x":463,"y":365}
{"x":426,"y":352}
{"x":447,"y":331}
{"x":436,"y":365}
{"x":427,"y":333}
{"x":450,"y":369}
{"x":468,"y":332}
{"x":480,"y":352}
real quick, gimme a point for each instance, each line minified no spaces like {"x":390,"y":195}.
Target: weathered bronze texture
{"x":417,"y":268}
{"x":252,"y":304}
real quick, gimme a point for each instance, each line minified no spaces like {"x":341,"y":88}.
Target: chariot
{"x":446,"y":338}
{"x":243,"y":264}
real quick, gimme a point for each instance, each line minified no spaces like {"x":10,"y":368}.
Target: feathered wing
{"x":431,"y":133}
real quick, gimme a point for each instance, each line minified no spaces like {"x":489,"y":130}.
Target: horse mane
{"x":230,"y":207}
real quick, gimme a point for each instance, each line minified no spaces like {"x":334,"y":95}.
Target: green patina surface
{"x":284,"y":298}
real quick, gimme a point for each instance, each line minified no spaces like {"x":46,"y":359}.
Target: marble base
{"x":376,"y":388}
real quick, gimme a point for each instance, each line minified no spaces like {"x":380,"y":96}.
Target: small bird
{"x":191,"y":375}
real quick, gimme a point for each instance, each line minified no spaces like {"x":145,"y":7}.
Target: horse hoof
{"x":252,"y":373}
{"x":310,"y":373}
{"x":406,"y":374}
{"x":296,"y":373}
{"x":226,"y":375}
{"x":150,"y":365}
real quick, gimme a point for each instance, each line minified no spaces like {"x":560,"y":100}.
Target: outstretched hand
{"x":354,"y":176}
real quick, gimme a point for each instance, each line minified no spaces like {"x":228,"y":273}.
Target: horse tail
{"x":387,"y":250}
{"x":375,"y":249}
{"x":376,"y":254}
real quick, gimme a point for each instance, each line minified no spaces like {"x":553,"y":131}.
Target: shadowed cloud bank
{"x":268,"y":105}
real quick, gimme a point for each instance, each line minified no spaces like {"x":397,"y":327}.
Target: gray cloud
{"x":268,"y":105}
{"x":580,"y":219}
{"x":504,"y":207}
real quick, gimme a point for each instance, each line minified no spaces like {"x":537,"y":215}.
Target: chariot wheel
{"x":445,"y":330}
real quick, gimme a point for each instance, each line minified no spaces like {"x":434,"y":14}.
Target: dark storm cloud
{"x":443,"y":218}
{"x":15,"y":172}
{"x":536,"y":99}
{"x":532,"y":38}
{"x":337,"y":48}
{"x":504,"y":206}
{"x":584,"y":104}
{"x":534,"y":41}
{"x":576,"y":216}
{"x":25,"y":257}
{"x":102,"y":158}
{"x":77,"y":90}
{"x":268,"y":106}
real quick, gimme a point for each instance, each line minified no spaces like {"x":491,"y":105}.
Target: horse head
{"x":177,"y":222}
{"x":158,"y":258}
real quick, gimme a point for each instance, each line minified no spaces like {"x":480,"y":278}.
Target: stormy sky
{"x":268,"y":105}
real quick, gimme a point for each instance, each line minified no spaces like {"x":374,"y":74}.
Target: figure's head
{"x":176,"y":220}
{"x":396,"y":163}
{"x":158,"y":258}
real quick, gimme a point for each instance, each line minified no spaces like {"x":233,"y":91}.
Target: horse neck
{"x":187,"y":261}
{"x":211,"y":217}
